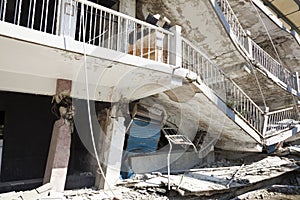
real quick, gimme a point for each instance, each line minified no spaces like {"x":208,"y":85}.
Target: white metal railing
{"x":91,"y":23}
{"x":265,"y":123}
{"x":257,"y":53}
{"x":273,"y":66}
{"x":113,"y":30}
{"x":235,"y":26}
{"x":280,"y":120}
{"x":194,"y":60}
{"x":40,"y":15}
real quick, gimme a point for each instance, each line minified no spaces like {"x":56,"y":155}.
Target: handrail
{"x":281,"y":110}
{"x":97,"y":6}
{"x":233,"y":22}
{"x":235,"y":98}
{"x":280,"y":120}
{"x":94,"y":24}
{"x":272,"y":65}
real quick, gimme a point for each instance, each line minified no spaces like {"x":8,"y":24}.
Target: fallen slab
{"x":213,"y":181}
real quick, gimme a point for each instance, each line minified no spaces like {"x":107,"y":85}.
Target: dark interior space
{"x":28,"y":124}
{"x":28,"y":130}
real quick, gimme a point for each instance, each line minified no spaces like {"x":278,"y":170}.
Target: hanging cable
{"x":88,"y":102}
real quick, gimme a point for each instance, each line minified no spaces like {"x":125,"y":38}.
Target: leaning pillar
{"x":112,"y":147}
{"x":59,"y":151}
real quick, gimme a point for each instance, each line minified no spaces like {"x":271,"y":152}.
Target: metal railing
{"x":91,"y":23}
{"x":234,"y":24}
{"x":280,"y":120}
{"x":113,"y":30}
{"x":195,"y":61}
{"x":39,"y":15}
{"x":257,"y":53}
{"x":273,"y":66}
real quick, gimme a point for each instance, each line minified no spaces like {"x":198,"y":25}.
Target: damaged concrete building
{"x":95,"y":91}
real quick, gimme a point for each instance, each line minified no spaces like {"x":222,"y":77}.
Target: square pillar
{"x":59,"y":150}
{"x":112,"y":147}
{"x":176,"y":47}
{"x":58,"y":156}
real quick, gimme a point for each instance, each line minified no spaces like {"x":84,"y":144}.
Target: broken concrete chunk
{"x":44,"y":188}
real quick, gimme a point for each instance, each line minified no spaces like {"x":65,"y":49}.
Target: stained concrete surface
{"x":201,"y":25}
{"x":286,"y":45}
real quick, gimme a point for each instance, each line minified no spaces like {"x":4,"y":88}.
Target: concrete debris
{"x":294,"y":149}
{"x":210,"y":181}
{"x":222,"y":182}
{"x":275,"y":192}
{"x":44,"y":192}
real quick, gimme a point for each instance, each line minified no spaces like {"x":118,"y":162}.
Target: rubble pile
{"x":238,"y":179}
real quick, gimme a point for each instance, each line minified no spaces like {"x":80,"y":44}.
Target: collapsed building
{"x":138,"y":92}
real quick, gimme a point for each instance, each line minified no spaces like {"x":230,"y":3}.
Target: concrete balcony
{"x":41,"y":43}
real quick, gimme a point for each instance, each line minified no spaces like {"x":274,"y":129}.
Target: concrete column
{"x":112,"y":147}
{"x":59,"y":151}
{"x":58,"y":157}
{"x":128,"y":7}
{"x":176,"y":47}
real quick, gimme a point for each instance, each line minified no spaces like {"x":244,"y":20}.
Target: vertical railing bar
{"x":95,"y":26}
{"x":149,"y":42}
{"x":29,"y":12}
{"x":16,"y":7}
{"x":46,"y":16}
{"x":168,"y":51}
{"x":109,"y":31}
{"x":85,"y":23}
{"x":1,"y":9}
{"x":104,"y":29}
{"x":80,"y":21}
{"x":142,"y":40}
{"x":126,"y":35}
{"x":4,"y":10}
{"x":42,"y":15}
{"x":33,"y":13}
{"x":58,"y":17}
{"x":54,"y":16}
{"x":119,"y":33}
{"x":91,"y":23}
{"x":112,"y":31}
{"x":100,"y":28}
{"x":70,"y":18}
{"x":134,"y":39}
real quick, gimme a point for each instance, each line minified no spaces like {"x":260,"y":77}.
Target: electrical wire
{"x":89,"y":106}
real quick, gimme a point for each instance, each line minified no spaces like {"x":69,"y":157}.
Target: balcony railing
{"x":90,"y":23}
{"x":255,"y":52}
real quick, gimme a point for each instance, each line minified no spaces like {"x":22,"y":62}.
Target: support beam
{"x":59,"y":151}
{"x":112,"y":146}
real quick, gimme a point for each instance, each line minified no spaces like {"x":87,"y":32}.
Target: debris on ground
{"x":248,"y":179}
